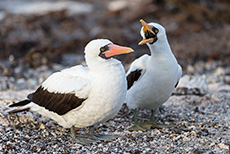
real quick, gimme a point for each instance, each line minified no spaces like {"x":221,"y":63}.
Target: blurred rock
{"x":118,"y":5}
{"x":227,"y":79}
{"x":44,"y":7}
{"x":192,"y":85}
{"x":42,"y":56}
{"x":223,"y":146}
{"x":132,"y":9}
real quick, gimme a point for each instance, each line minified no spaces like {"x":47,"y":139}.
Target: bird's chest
{"x":107,"y":91}
{"x":159,"y":82}
{"x":108,"y":88}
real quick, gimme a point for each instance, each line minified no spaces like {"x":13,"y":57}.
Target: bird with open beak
{"x":152,"y":79}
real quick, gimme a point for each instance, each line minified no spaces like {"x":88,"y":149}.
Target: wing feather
{"x":71,"y":80}
{"x":137,"y":70}
{"x":56,"y":102}
{"x":64,"y":90}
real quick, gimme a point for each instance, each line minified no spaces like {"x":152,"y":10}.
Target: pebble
{"x":227,"y":79}
{"x":42,"y":126}
{"x":223,"y":146}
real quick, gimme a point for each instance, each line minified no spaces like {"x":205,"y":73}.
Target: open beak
{"x":117,"y":50}
{"x":146,"y":29}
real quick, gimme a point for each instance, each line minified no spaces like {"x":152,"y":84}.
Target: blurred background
{"x":40,"y":36}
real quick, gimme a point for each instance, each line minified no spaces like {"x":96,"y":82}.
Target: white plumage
{"x":101,"y":88}
{"x":158,"y":73}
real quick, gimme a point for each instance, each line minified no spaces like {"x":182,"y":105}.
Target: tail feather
{"x":21,"y":103}
{"x":17,"y":110}
{"x":18,"y":107}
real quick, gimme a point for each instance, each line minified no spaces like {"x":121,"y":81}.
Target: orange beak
{"x":117,"y":50}
{"x":146,"y":28}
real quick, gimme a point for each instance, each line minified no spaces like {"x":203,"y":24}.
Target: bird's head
{"x":105,"y":49}
{"x":151,"y":32}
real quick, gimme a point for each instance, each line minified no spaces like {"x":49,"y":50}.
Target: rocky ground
{"x":198,"y":110}
{"x":35,"y":43}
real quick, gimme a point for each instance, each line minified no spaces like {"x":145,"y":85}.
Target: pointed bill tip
{"x":144,"y":41}
{"x":146,"y":27}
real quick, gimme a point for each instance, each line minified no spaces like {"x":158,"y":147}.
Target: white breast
{"x":155,"y":86}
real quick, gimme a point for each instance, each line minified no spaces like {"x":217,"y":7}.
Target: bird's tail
{"x":18,"y":107}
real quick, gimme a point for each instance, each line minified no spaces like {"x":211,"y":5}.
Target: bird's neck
{"x":160,"y":48}
{"x":161,"y":53}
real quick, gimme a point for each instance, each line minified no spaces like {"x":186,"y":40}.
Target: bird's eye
{"x":154,"y":29}
{"x":104,"y":48}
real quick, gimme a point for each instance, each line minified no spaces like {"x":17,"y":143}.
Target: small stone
{"x":212,"y":144}
{"x":220,"y":71}
{"x":157,"y":131}
{"x":38,"y":149}
{"x":193,"y":133}
{"x":223,"y":146}
{"x":190,"y":69}
{"x":42,"y":126}
{"x":227,"y":79}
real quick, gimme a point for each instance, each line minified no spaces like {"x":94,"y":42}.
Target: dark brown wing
{"x":56,"y":102}
{"x":132,"y":77}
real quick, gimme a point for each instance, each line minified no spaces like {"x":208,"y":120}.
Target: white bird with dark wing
{"x":83,"y":96}
{"x":152,"y":79}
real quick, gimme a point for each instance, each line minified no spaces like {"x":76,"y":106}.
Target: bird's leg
{"x":136,"y":126}
{"x":103,"y":137}
{"x":153,"y":116}
{"x":73,"y":132}
{"x":81,"y":138}
{"x":91,"y":131}
{"x":91,"y":136}
{"x":100,"y":137}
{"x":152,"y":122}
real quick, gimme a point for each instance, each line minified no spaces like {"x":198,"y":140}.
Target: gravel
{"x":200,"y":120}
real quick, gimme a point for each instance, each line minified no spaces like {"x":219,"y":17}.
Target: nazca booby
{"x":152,"y":79}
{"x":83,"y":96}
